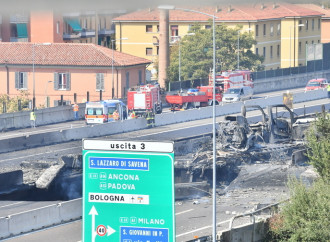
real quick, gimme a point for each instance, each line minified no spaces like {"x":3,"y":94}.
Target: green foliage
{"x":318,"y":139}
{"x":197,"y":52}
{"x":12,"y":103}
{"x":306,"y":216}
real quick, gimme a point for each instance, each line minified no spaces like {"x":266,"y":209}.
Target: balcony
{"x":86,"y":33}
{"x":106,"y":32}
{"x":69,"y":36}
{"x":16,"y":39}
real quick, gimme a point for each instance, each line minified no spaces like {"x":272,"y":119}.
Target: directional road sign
{"x":128,"y":191}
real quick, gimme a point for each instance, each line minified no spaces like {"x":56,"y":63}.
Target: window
{"x":264,"y":52}
{"x":264,"y":31}
{"x":62,"y":81}
{"x":299,"y":47}
{"x":61,"y":103}
{"x":158,"y":28}
{"x":20,"y":80}
{"x":57,"y":27}
{"x":312,"y":41}
{"x":257,"y":30}
{"x":306,"y":24}
{"x":312,"y":24}
{"x":278,"y":28}
{"x":319,"y":23}
{"x":278,"y":51}
{"x":148,"y":51}
{"x":190,"y":27}
{"x":271,"y":52}
{"x":300,"y":23}
{"x":271,"y":29}
{"x":148,"y":28}
{"x":257,"y":51}
{"x":99,"y":81}
{"x":127,"y":81}
{"x":318,"y":41}
{"x":174,"y":30}
{"x":208,"y":26}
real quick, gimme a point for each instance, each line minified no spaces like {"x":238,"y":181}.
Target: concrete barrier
{"x":70,"y":210}
{"x":4,"y":228}
{"x":34,"y":219}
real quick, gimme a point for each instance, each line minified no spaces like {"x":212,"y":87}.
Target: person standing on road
{"x":33,"y":118}
{"x":76,"y":111}
{"x":115,"y":115}
{"x":328,"y":89}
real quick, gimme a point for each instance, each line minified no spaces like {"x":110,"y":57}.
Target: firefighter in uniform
{"x":150,"y":119}
{"x":133,"y":116}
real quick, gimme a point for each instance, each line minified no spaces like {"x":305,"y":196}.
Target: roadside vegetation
{"x":197,"y":52}
{"x":18,"y":103}
{"x":306,"y":216}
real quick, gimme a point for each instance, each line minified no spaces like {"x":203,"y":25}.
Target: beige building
{"x":281,"y":30}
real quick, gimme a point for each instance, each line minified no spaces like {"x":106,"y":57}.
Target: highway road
{"x":192,"y":219}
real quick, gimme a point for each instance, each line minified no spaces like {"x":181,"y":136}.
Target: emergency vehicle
{"x":144,"y":99}
{"x":229,"y":79}
{"x":102,"y":111}
{"x":194,"y":98}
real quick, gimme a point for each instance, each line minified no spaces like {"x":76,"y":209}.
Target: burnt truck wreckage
{"x":278,"y":137}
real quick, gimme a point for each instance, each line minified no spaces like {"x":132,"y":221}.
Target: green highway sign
{"x":128,"y":191}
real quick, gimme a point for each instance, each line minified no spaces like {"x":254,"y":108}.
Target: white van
{"x":235,"y":94}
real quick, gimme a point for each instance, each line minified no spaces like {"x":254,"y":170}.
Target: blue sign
{"x":143,"y":234}
{"x":118,"y":163}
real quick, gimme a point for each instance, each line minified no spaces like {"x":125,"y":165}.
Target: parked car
{"x":235,"y":94}
{"x":315,"y":84}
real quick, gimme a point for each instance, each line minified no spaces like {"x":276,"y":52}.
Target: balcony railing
{"x":18,"y":19}
{"x":87,"y":33}
{"x":71,"y":35}
{"x":15,"y":39}
{"x":106,"y":31}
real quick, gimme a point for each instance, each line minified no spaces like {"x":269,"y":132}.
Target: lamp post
{"x":33,"y":64}
{"x":169,"y":7}
{"x":112,"y":66}
{"x":299,"y":25}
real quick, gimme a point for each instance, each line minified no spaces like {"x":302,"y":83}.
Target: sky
{"x":24,"y":5}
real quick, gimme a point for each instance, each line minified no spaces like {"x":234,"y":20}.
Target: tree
{"x":12,"y":103}
{"x":319,"y":145}
{"x":306,"y":216}
{"x":197,"y":52}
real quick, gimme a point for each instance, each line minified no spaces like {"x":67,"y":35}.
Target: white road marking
{"x":12,"y":204}
{"x":40,"y":153}
{"x":206,"y":227}
{"x":184,"y":212}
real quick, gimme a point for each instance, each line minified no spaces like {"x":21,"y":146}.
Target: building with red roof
{"x":67,"y":70}
{"x":282,"y":30}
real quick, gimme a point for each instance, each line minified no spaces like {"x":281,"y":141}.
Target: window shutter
{"x":17,"y":80}
{"x":25,"y":80}
{"x":68,"y":81}
{"x":98,"y":81}
{"x":55,"y":82}
{"x":102,"y":81}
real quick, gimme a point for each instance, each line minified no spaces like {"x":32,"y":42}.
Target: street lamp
{"x":113,"y":59}
{"x":33,"y":60}
{"x":299,"y":25}
{"x":179,"y":37}
{"x":169,"y":7}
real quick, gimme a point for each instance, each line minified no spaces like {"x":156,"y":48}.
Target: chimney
{"x":262,"y":7}
{"x":217,"y":9}
{"x":229,"y":9}
{"x":163,"y":56}
{"x":274,"y":5}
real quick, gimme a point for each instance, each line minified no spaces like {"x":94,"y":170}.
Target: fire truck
{"x":228,"y":79}
{"x":194,"y":98}
{"x":143,"y":99}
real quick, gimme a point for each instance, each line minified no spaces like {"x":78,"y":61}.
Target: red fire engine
{"x":228,"y":79}
{"x":143,"y":99}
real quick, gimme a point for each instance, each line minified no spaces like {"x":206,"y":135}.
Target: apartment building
{"x":49,"y":71}
{"x":56,"y":27}
{"x":281,"y":30}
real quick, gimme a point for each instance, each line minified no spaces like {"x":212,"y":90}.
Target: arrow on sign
{"x":110,"y":230}
{"x":93,"y":212}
